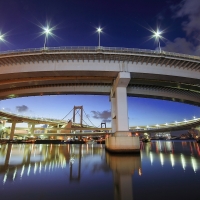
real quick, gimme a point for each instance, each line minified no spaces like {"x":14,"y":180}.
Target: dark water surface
{"x":163,"y":170}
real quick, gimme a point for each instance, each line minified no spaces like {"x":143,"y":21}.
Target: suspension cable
{"x":88,"y":118}
{"x":67,"y":114}
{"x":84,"y":120}
{"x":77,"y":112}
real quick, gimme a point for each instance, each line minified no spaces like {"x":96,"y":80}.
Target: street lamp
{"x":2,"y":37}
{"x":99,"y":30}
{"x":157,"y":35}
{"x":46,"y":31}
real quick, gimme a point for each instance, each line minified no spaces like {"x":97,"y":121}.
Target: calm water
{"x":163,"y":170}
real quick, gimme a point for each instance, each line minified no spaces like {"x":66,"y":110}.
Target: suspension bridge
{"x":78,"y":123}
{"x":75,"y":123}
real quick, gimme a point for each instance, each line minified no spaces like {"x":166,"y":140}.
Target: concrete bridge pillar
{"x":119,"y":104}
{"x":31,"y":127}
{"x":12,"y":130}
{"x":121,"y":141}
{"x":113,"y":114}
{"x":58,"y":132}
{"x":122,"y":125}
{"x":4,"y":123}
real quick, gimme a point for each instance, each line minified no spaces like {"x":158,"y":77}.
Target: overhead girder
{"x":149,"y":91}
{"x":16,"y":82}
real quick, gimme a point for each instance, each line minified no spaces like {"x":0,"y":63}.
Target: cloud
{"x":8,"y":109}
{"x":181,"y":45}
{"x":189,"y":10}
{"x":106,"y":121}
{"x":22,"y":108}
{"x":105,"y":115}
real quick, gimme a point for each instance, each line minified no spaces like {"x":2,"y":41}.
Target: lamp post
{"x":99,"y":30}
{"x":1,"y":37}
{"x":157,"y":35}
{"x":46,"y":31}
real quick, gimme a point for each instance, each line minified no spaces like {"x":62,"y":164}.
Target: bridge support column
{"x":121,"y":141}
{"x":113,"y":114}
{"x":4,"y":123}
{"x":31,"y":128}
{"x":12,"y":130}
{"x":58,"y":137}
{"x":122,"y":125}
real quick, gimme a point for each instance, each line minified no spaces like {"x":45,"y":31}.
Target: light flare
{"x":2,"y":37}
{"x":47,"y":30}
{"x":99,"y":30}
{"x":157,"y":36}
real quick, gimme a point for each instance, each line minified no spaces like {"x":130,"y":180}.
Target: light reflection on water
{"x":186,"y":154}
{"x":40,"y":171}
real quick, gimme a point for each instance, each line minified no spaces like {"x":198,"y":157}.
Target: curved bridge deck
{"x":92,"y":70}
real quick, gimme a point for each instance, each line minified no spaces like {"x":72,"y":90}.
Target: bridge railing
{"x":166,"y":126}
{"x":94,"y":48}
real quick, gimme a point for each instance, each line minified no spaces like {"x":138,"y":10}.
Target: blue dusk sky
{"x":125,"y":23}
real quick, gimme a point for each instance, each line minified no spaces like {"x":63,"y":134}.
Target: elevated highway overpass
{"x":167,"y":127}
{"x":75,"y":129}
{"x":117,"y":72}
{"x":92,"y":70}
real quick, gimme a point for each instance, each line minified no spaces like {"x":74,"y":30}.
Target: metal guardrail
{"x":97,"y":49}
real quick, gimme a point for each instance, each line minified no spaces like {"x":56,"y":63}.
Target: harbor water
{"x":162,"y":170}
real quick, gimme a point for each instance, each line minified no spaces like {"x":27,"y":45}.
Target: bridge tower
{"x":122,"y":140}
{"x":103,"y":124}
{"x":78,"y":108}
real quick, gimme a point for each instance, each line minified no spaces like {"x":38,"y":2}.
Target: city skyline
{"x":124,"y":24}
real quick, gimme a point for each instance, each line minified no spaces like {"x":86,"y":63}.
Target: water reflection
{"x":16,"y":160}
{"x":88,"y":172}
{"x":123,"y":167}
{"x":183,"y":153}
{"x":72,"y":163}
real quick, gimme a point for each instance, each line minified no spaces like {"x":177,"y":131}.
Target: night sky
{"x":125,"y":23}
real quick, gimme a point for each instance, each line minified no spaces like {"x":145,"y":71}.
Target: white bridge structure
{"x":117,"y":72}
{"x":58,"y":129}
